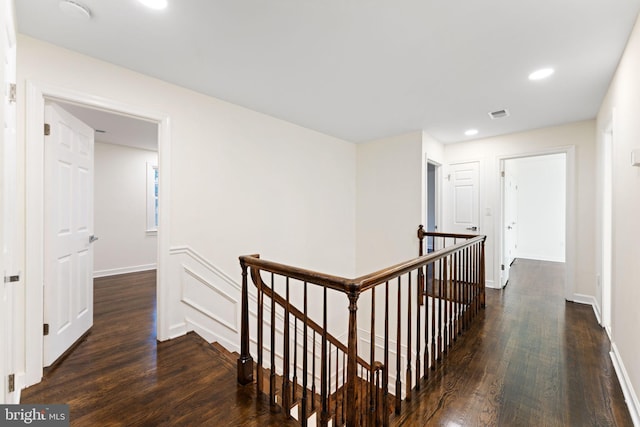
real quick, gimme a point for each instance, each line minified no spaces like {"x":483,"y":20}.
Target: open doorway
{"x":433,"y":200}
{"x":102,"y":159}
{"x":534,"y":209}
{"x":125,"y":191}
{"x":37,"y":96}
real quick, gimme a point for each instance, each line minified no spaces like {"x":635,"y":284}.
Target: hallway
{"x":535,"y":360}
{"x":531,"y":360}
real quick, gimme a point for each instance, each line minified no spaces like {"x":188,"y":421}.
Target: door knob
{"x":93,"y":238}
{"x":474,"y":228}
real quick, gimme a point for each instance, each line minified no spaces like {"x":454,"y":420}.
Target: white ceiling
{"x":117,"y":129}
{"x":365,"y":69}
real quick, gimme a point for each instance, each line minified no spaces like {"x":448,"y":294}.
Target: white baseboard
{"x":630,"y":395}
{"x":178,"y":330}
{"x":491,"y":284}
{"x":541,"y":257}
{"x":598,"y":313}
{"x":210,"y":336}
{"x":589,"y":300}
{"x":123,"y":270}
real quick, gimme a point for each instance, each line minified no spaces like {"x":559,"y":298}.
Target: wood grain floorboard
{"x":532,"y":359}
{"x":121,"y":376}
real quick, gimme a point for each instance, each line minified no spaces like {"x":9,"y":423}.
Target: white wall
{"x":391,"y":203}
{"x":432,"y":149}
{"x":581,"y":225}
{"x":390,"y":195}
{"x":541,"y":198}
{"x":120,"y":206}
{"x":433,"y":152}
{"x":241,"y":182}
{"x":622,"y":105}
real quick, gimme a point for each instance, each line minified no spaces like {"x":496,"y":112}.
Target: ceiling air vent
{"x":498,"y":114}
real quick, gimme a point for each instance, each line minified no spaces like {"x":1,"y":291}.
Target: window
{"x":152,"y":198}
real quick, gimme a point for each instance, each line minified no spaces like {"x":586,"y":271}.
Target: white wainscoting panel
{"x":200,"y":294}
{"x":211,"y":306}
{"x":209,"y":298}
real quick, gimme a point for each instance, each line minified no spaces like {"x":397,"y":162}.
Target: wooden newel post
{"x":245,"y":361}
{"x":421,"y":239}
{"x":422,"y":289}
{"x":353,"y":405}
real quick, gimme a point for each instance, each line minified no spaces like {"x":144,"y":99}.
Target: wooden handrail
{"x":390,"y":273}
{"x":436,"y":298}
{"x":422,"y":233}
{"x":362,"y":283}
{"x":332,"y":282}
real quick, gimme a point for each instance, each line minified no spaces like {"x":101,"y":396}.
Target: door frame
{"x":36,"y":93}
{"x":570,"y":210}
{"x":606,"y":226}
{"x":9,"y":292}
{"x":438,"y":192}
{"x":504,"y":277}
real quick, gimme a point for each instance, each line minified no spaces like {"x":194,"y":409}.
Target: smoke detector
{"x":499,"y":114}
{"x":75,"y":10}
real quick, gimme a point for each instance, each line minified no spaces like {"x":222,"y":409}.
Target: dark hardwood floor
{"x":121,"y":376}
{"x":532,"y":360}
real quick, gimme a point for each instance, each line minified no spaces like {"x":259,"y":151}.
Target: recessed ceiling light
{"x":155,"y":4}
{"x":471,"y":132}
{"x":541,"y":74}
{"x":75,"y":10}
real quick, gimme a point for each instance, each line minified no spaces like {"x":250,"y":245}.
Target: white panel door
{"x":8,"y":211}
{"x":510,"y":223}
{"x":68,"y":254}
{"x":464,"y":196}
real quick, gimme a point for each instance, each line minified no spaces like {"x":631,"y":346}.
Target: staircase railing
{"x":401,"y":322}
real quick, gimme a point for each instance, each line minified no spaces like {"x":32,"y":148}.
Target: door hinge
{"x":12,"y":279}
{"x":47,"y":129}
{"x":45,"y":329}
{"x":12,"y":383}
{"x":502,"y":267}
{"x":13,"y":96}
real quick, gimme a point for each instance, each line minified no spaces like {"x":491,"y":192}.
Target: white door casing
{"x":509,"y":223}
{"x":31,"y":308}
{"x":11,"y":277}
{"x":433,"y":196}
{"x":607,"y":228}
{"x":68,"y":254}
{"x":464,"y":198}
{"x":570,"y":215}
